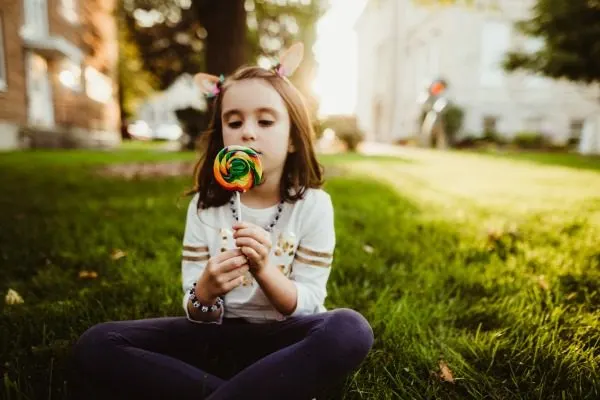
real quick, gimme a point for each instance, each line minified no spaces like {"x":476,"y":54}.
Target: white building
{"x":402,"y":46}
{"x":156,"y":117}
{"x":181,"y":94}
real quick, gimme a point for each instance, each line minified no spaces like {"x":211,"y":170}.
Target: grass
{"x":489,"y":265}
{"x":571,"y":160}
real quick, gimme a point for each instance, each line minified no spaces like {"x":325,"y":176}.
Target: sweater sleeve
{"x":195,"y":255}
{"x":312,"y":263}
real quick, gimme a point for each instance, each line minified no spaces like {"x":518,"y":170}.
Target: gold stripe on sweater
{"x":198,"y":249}
{"x":312,"y":262}
{"x":314,"y":253}
{"x":193,"y":258}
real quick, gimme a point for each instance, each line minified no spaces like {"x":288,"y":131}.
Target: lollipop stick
{"x":239,"y":206}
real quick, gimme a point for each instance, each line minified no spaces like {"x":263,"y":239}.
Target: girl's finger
{"x":255,"y":234}
{"x":232,"y":284}
{"x":232,"y":264}
{"x":236,"y":273}
{"x":251,"y":254}
{"x":250,"y":242}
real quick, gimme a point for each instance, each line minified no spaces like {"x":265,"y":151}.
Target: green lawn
{"x":488,"y":265}
{"x":572,"y":160}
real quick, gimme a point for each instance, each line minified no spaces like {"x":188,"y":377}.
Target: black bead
{"x":276,"y":217}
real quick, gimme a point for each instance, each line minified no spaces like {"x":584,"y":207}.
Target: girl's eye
{"x":235,"y":124}
{"x":266,"y":122}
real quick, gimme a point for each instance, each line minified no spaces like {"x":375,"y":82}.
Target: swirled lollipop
{"x":238,"y":168}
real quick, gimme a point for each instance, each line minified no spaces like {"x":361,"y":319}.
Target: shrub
{"x":346,"y":128}
{"x":530,"y":140}
{"x":468,"y":141}
{"x":194,"y":124}
{"x":492,"y":136}
{"x":453,"y":121}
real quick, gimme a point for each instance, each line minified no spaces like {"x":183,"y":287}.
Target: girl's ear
{"x":210,"y":85}
{"x":290,"y":59}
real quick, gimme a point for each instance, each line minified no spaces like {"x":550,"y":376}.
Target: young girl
{"x":255,"y":325}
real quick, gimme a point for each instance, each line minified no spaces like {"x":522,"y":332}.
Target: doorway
{"x":39,"y":91}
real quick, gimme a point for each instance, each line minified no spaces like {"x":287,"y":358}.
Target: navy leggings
{"x":173,"y":358}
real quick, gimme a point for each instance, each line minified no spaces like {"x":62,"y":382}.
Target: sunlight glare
{"x":336,"y":53}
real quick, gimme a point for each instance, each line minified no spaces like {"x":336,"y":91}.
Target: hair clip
{"x":279,"y":70}
{"x":210,"y":85}
{"x":216,"y":88}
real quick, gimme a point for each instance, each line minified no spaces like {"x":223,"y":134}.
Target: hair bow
{"x":289,"y":60}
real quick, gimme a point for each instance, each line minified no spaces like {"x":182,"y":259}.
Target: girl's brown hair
{"x":301,"y":169}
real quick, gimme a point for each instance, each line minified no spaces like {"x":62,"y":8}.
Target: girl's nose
{"x":248,"y":132}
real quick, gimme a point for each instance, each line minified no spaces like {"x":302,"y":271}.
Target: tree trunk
{"x":225,"y":44}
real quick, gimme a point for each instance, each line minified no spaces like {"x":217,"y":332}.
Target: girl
{"x":255,"y":325}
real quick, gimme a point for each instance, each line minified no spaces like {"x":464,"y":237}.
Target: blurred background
{"x":460,"y":140}
{"x":433,"y":73}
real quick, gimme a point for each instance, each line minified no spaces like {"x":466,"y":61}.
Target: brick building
{"x":58,"y":71}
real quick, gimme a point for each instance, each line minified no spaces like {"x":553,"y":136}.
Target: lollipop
{"x":238,"y":168}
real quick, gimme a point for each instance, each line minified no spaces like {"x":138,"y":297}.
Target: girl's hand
{"x":255,"y":244}
{"x":223,"y":273}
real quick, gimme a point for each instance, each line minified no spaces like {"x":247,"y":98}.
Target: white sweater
{"x":303,"y":244}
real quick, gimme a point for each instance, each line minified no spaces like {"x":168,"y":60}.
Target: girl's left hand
{"x":255,"y":243}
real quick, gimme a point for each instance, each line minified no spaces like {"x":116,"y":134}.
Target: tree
{"x":135,"y":82}
{"x":169,"y":38}
{"x":281,"y":23}
{"x":570,"y":30}
{"x":177,"y":36}
{"x":225,"y":24}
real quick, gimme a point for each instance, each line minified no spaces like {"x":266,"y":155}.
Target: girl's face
{"x":254,"y":115}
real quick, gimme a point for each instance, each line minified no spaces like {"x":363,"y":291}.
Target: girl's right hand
{"x":223,"y":273}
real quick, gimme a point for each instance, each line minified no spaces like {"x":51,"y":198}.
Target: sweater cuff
{"x":303,"y":306}
{"x":186,"y":299}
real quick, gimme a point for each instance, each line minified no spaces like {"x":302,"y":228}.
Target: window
{"x":495,"y":41}
{"x":490,"y":124}
{"x":70,"y":75}
{"x":68,"y":9}
{"x":576,"y":128}
{"x":97,"y":85}
{"x":3,"y":79}
{"x":533,"y":124}
{"x":36,"y":17}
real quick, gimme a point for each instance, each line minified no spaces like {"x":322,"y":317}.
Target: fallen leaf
{"x":368,"y":249}
{"x":117,"y":254}
{"x":543,"y":283}
{"x":445,"y":372}
{"x":12,"y":297}
{"x":88,"y":274}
